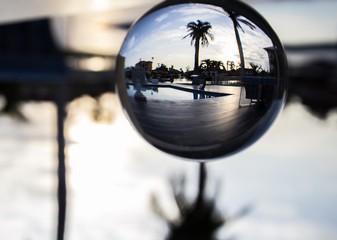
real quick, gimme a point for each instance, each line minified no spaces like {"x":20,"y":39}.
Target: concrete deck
{"x":214,"y":122}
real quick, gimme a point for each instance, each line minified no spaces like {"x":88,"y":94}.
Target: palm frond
{"x":247,"y":23}
{"x":199,"y":30}
{"x":237,"y":19}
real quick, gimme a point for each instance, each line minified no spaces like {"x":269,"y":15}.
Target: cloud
{"x":162,"y":17}
{"x":130,"y":43}
{"x":160,"y":34}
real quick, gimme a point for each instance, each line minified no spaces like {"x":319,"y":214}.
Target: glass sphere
{"x":202,"y":79}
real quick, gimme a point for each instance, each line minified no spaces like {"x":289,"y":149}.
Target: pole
{"x":61,"y":97}
{"x":61,"y":170}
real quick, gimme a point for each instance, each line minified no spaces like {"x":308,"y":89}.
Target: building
{"x":272,"y":60}
{"x":147,"y":65}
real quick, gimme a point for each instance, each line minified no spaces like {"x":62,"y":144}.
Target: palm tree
{"x":206,"y":64}
{"x":257,"y":69}
{"x":230,"y":65}
{"x":199,"y":32}
{"x":199,"y":219}
{"x":211,"y":65}
{"x":218,"y":65}
{"x":235,"y":17}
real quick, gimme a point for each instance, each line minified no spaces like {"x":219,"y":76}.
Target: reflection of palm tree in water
{"x":199,"y":219}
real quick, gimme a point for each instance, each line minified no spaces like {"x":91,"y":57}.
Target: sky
{"x":301,"y":22}
{"x":295,"y":22}
{"x":160,"y":35}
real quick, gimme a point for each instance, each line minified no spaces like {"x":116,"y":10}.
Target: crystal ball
{"x":202,"y":79}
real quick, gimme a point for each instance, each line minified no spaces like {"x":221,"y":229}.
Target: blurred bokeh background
{"x":117,"y":181}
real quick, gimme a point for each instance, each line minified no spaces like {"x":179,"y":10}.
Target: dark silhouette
{"x":32,"y":64}
{"x":198,"y":220}
{"x":313,"y":82}
{"x":210,"y":70}
{"x":230,"y":65}
{"x":235,"y":17}
{"x":199,"y":32}
{"x":212,"y":65}
{"x":315,"y":85}
{"x":257,"y":70}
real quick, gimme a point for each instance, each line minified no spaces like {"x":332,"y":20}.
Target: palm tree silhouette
{"x":199,"y":32}
{"x":211,"y":65}
{"x":206,"y":64}
{"x":199,"y":219}
{"x":218,"y":65}
{"x":235,"y":17}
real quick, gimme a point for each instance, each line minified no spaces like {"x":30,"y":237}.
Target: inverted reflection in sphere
{"x":202,"y":80}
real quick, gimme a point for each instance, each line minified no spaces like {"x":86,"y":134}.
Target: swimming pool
{"x":170,"y":93}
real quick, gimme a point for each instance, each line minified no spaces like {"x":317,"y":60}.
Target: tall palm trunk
{"x":202,"y":183}
{"x":242,"y":59}
{"x":196,"y":55}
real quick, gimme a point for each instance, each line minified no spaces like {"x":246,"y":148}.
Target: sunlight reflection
{"x":112,"y":179}
{"x":96,"y":64}
{"x":104,"y":183}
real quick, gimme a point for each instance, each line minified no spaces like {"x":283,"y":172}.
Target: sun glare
{"x":95,"y":64}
